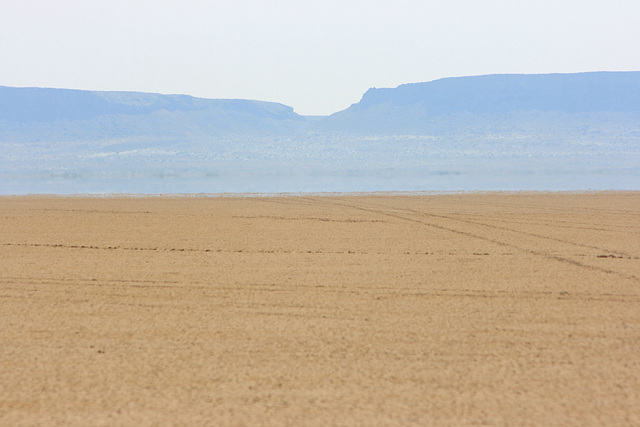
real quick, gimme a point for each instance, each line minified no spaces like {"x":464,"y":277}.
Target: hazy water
{"x":397,"y":163}
{"x":292,"y":179}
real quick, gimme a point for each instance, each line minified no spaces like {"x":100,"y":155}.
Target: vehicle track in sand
{"x":458,"y":309}
{"x":411,"y":214}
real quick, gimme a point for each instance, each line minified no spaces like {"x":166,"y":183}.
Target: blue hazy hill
{"x":498,"y":132}
{"x":440,"y":106}
{"x":28,"y":114}
{"x":417,"y":104}
{"x":45,"y":104}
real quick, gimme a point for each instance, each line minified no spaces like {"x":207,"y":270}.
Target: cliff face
{"x":444,"y":105}
{"x":62,"y":114}
{"x":45,"y":104}
{"x":412,"y":105}
{"x":570,"y":93}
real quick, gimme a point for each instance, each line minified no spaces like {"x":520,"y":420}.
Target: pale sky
{"x":318,"y":57}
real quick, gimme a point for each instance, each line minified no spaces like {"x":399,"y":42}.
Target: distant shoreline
{"x":316,"y":194}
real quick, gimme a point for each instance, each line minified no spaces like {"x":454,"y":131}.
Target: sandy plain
{"x":459,"y":309}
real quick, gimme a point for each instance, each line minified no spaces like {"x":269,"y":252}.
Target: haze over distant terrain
{"x":417,"y":106}
{"x":420,"y":136}
{"x":317,"y":56}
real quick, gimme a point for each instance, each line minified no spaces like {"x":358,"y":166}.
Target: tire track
{"x":221,"y":292}
{"x":319,"y":219}
{"x":497,"y":227}
{"x":586,"y":209}
{"x":212,"y":251}
{"x":567,"y":225}
{"x":379,"y":211}
{"x":451,"y":218}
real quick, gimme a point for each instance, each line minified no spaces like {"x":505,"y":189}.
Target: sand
{"x":459,"y":309}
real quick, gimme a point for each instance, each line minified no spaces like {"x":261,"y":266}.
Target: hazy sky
{"x":316,"y":56}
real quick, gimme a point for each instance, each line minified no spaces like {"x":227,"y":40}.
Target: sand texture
{"x":371,"y":310}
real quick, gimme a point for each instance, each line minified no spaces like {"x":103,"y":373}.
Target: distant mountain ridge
{"x":499,"y":93}
{"x":40,"y":114}
{"x":418,"y":103}
{"x":45,"y":104}
{"x":440,"y":106}
{"x":500,"y":132}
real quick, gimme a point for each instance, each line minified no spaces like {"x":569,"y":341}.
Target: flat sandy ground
{"x":463,"y":309}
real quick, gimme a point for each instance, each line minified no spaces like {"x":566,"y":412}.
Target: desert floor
{"x":456,"y":309}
